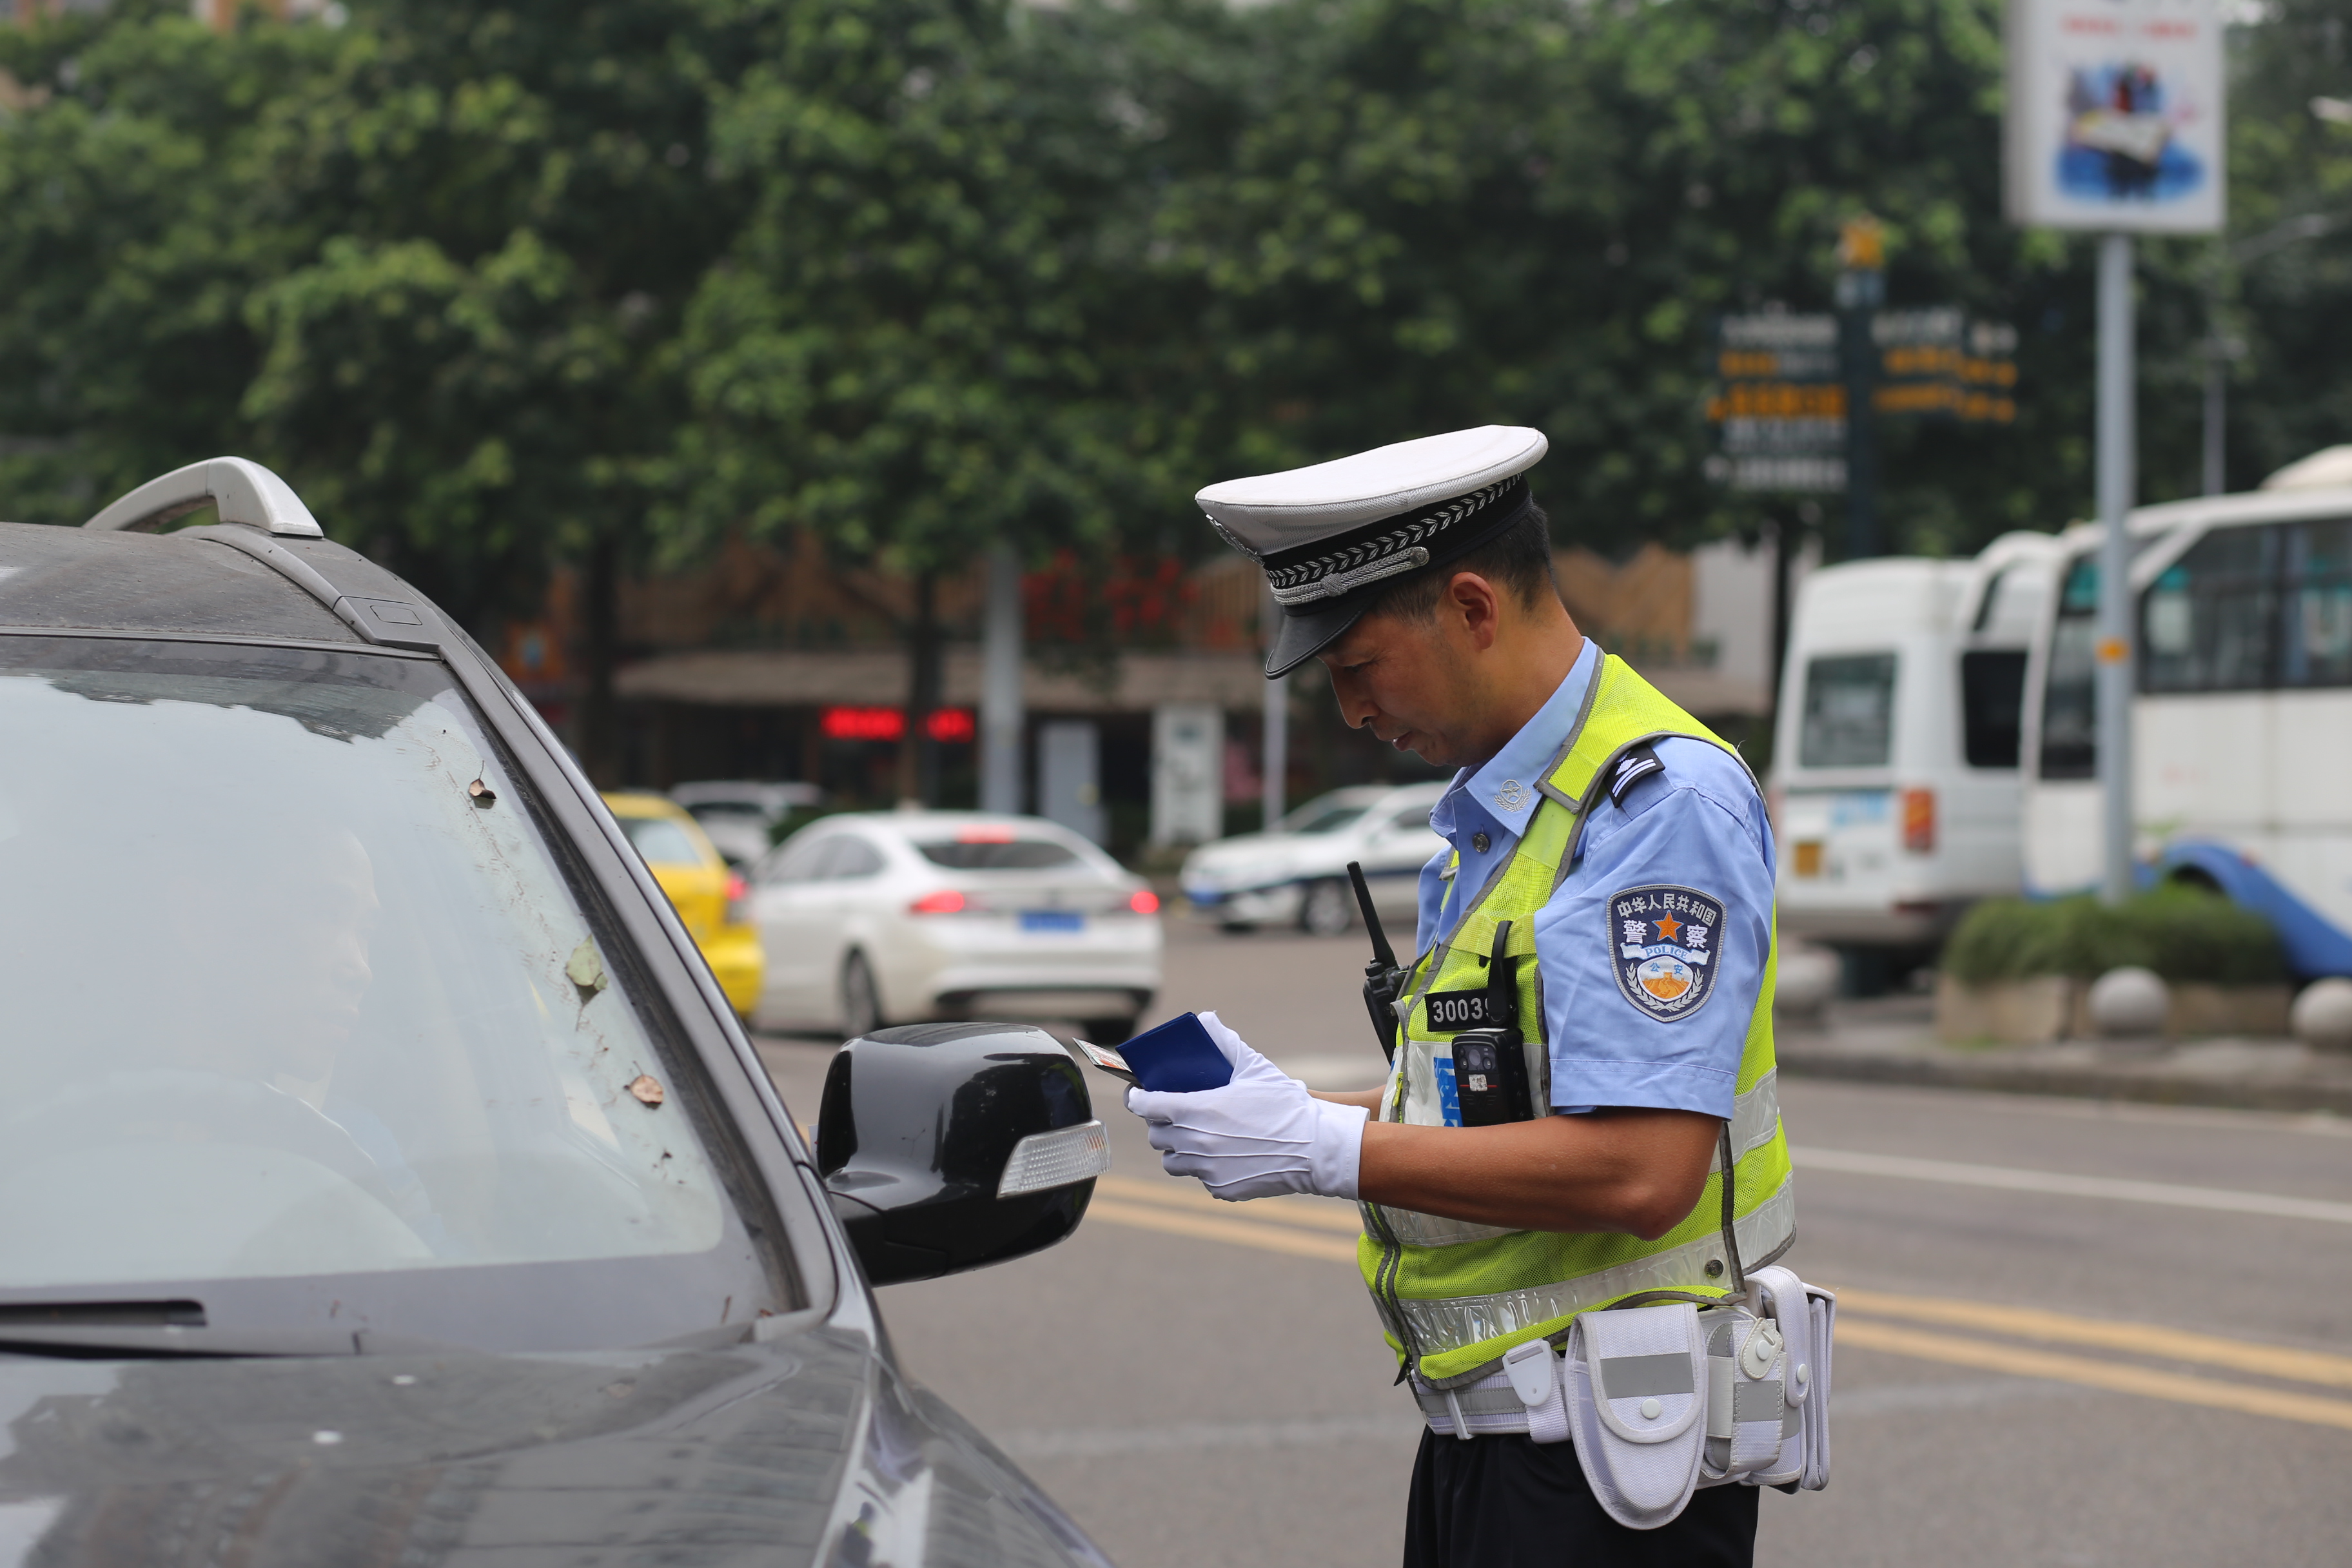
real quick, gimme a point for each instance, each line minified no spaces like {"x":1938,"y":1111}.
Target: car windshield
{"x":1328,"y":814}
{"x":661,"y":841}
{"x":997,"y":854}
{"x":287,"y":998}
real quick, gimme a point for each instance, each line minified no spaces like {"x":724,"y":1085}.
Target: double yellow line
{"x":1930,"y":1327}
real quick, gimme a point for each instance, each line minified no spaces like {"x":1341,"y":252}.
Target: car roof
{"x":766,"y":795}
{"x":644,"y":803}
{"x":79,"y":579}
{"x":914,"y":827}
{"x":909,"y":823}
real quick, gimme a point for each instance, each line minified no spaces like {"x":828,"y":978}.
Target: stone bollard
{"x":2128,"y":1002}
{"x":2321,"y":1015}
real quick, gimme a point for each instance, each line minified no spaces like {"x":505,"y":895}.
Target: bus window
{"x":2319,"y":586}
{"x":2070,"y":729}
{"x":1849,"y":712}
{"x":1992,"y":706}
{"x":2210,"y":622}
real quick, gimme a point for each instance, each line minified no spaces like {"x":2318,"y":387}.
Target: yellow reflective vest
{"x":1454,"y":1296}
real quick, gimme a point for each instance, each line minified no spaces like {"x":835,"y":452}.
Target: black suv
{"x":383,"y":1179}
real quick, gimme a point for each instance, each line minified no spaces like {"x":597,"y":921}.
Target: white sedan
{"x":903,"y":917}
{"x":1300,"y":871}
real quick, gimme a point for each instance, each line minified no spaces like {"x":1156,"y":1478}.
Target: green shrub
{"x":2182,"y":934}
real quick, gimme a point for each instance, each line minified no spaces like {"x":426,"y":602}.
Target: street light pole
{"x":1002,"y":721}
{"x":1861,"y":290}
{"x":2217,"y":371}
{"x":2117,"y":481}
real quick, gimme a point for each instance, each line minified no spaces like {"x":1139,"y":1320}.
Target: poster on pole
{"x":2115,"y":119}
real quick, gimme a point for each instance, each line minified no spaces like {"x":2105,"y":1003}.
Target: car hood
{"x":807,"y":1450}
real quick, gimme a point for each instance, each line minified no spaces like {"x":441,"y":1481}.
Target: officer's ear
{"x":1475,"y":604}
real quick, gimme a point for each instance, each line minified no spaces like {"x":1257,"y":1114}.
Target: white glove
{"x":1259,"y":1135}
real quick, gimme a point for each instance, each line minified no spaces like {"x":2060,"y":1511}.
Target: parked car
{"x":709,"y":896}
{"x":871,"y":918}
{"x":741,"y":815}
{"x":1300,"y":871}
{"x":385,"y":1178}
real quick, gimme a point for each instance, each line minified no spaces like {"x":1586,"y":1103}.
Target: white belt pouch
{"x":1637,"y":1393}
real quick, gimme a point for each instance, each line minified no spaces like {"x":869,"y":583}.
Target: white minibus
{"x":2241,"y":727}
{"x":1894,"y":762}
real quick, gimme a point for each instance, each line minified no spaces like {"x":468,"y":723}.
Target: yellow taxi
{"x":709,"y":895}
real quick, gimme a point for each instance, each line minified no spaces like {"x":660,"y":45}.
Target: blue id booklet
{"x":1176,"y":1057}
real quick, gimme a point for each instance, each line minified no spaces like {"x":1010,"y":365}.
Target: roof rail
{"x":240,"y":489}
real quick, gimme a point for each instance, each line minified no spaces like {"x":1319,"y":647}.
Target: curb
{"x":2078,"y":1082}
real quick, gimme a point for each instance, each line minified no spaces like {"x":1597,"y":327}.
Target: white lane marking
{"x":1902,"y":1398}
{"x":2006,"y":1178}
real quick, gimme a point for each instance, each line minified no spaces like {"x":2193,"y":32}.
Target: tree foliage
{"x":504,"y":283}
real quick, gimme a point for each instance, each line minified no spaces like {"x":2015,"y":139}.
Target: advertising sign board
{"x":2114,"y":118}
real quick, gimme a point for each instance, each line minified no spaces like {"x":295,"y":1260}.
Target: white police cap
{"x":1331,"y":534}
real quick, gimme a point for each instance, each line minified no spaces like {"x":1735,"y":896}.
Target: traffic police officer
{"x":1609,"y":869}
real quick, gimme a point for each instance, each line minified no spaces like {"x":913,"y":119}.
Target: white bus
{"x":1894,"y":764}
{"x":2242,"y":730}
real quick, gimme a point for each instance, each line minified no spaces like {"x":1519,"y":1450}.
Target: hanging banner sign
{"x":2114,"y":118}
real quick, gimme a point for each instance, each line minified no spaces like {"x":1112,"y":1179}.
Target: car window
{"x":1410,"y":818}
{"x":1849,"y":712}
{"x":854,"y":858}
{"x":1326,"y":815}
{"x":998,"y":854}
{"x":286,"y":998}
{"x":801,"y":861}
{"x":661,"y":841}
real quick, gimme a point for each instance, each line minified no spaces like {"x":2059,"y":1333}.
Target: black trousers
{"x":1506,"y":1501}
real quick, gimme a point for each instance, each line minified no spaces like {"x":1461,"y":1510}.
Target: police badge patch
{"x":1663,"y":944}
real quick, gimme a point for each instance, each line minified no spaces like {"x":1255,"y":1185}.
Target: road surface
{"x":2070,"y":1333}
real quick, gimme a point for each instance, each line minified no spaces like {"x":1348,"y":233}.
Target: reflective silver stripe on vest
{"x":1461,"y":1321}
{"x":1755,"y":1117}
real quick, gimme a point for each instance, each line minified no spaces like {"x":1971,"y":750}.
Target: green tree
{"x":892,"y":354}
{"x":2282,"y":278}
{"x":475,"y":366}
{"x":430,"y":265}
{"x":126,"y":144}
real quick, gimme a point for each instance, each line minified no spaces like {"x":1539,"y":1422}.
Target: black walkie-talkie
{"x":1382,"y":979}
{"x":1490,"y":1063}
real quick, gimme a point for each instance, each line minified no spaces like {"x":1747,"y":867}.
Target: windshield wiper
{"x":179,"y":1313}
{"x":154,"y":1330}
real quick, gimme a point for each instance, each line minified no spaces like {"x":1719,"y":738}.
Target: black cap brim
{"x":1304,"y":633}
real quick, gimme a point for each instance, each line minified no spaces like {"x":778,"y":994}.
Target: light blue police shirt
{"x":1698,"y":824}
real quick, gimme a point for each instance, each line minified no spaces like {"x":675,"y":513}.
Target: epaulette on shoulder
{"x":1634,"y":765}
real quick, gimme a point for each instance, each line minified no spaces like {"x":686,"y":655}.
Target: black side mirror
{"x":947,"y":1146}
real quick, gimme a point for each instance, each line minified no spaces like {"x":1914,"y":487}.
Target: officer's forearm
{"x":1635,"y":1171}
